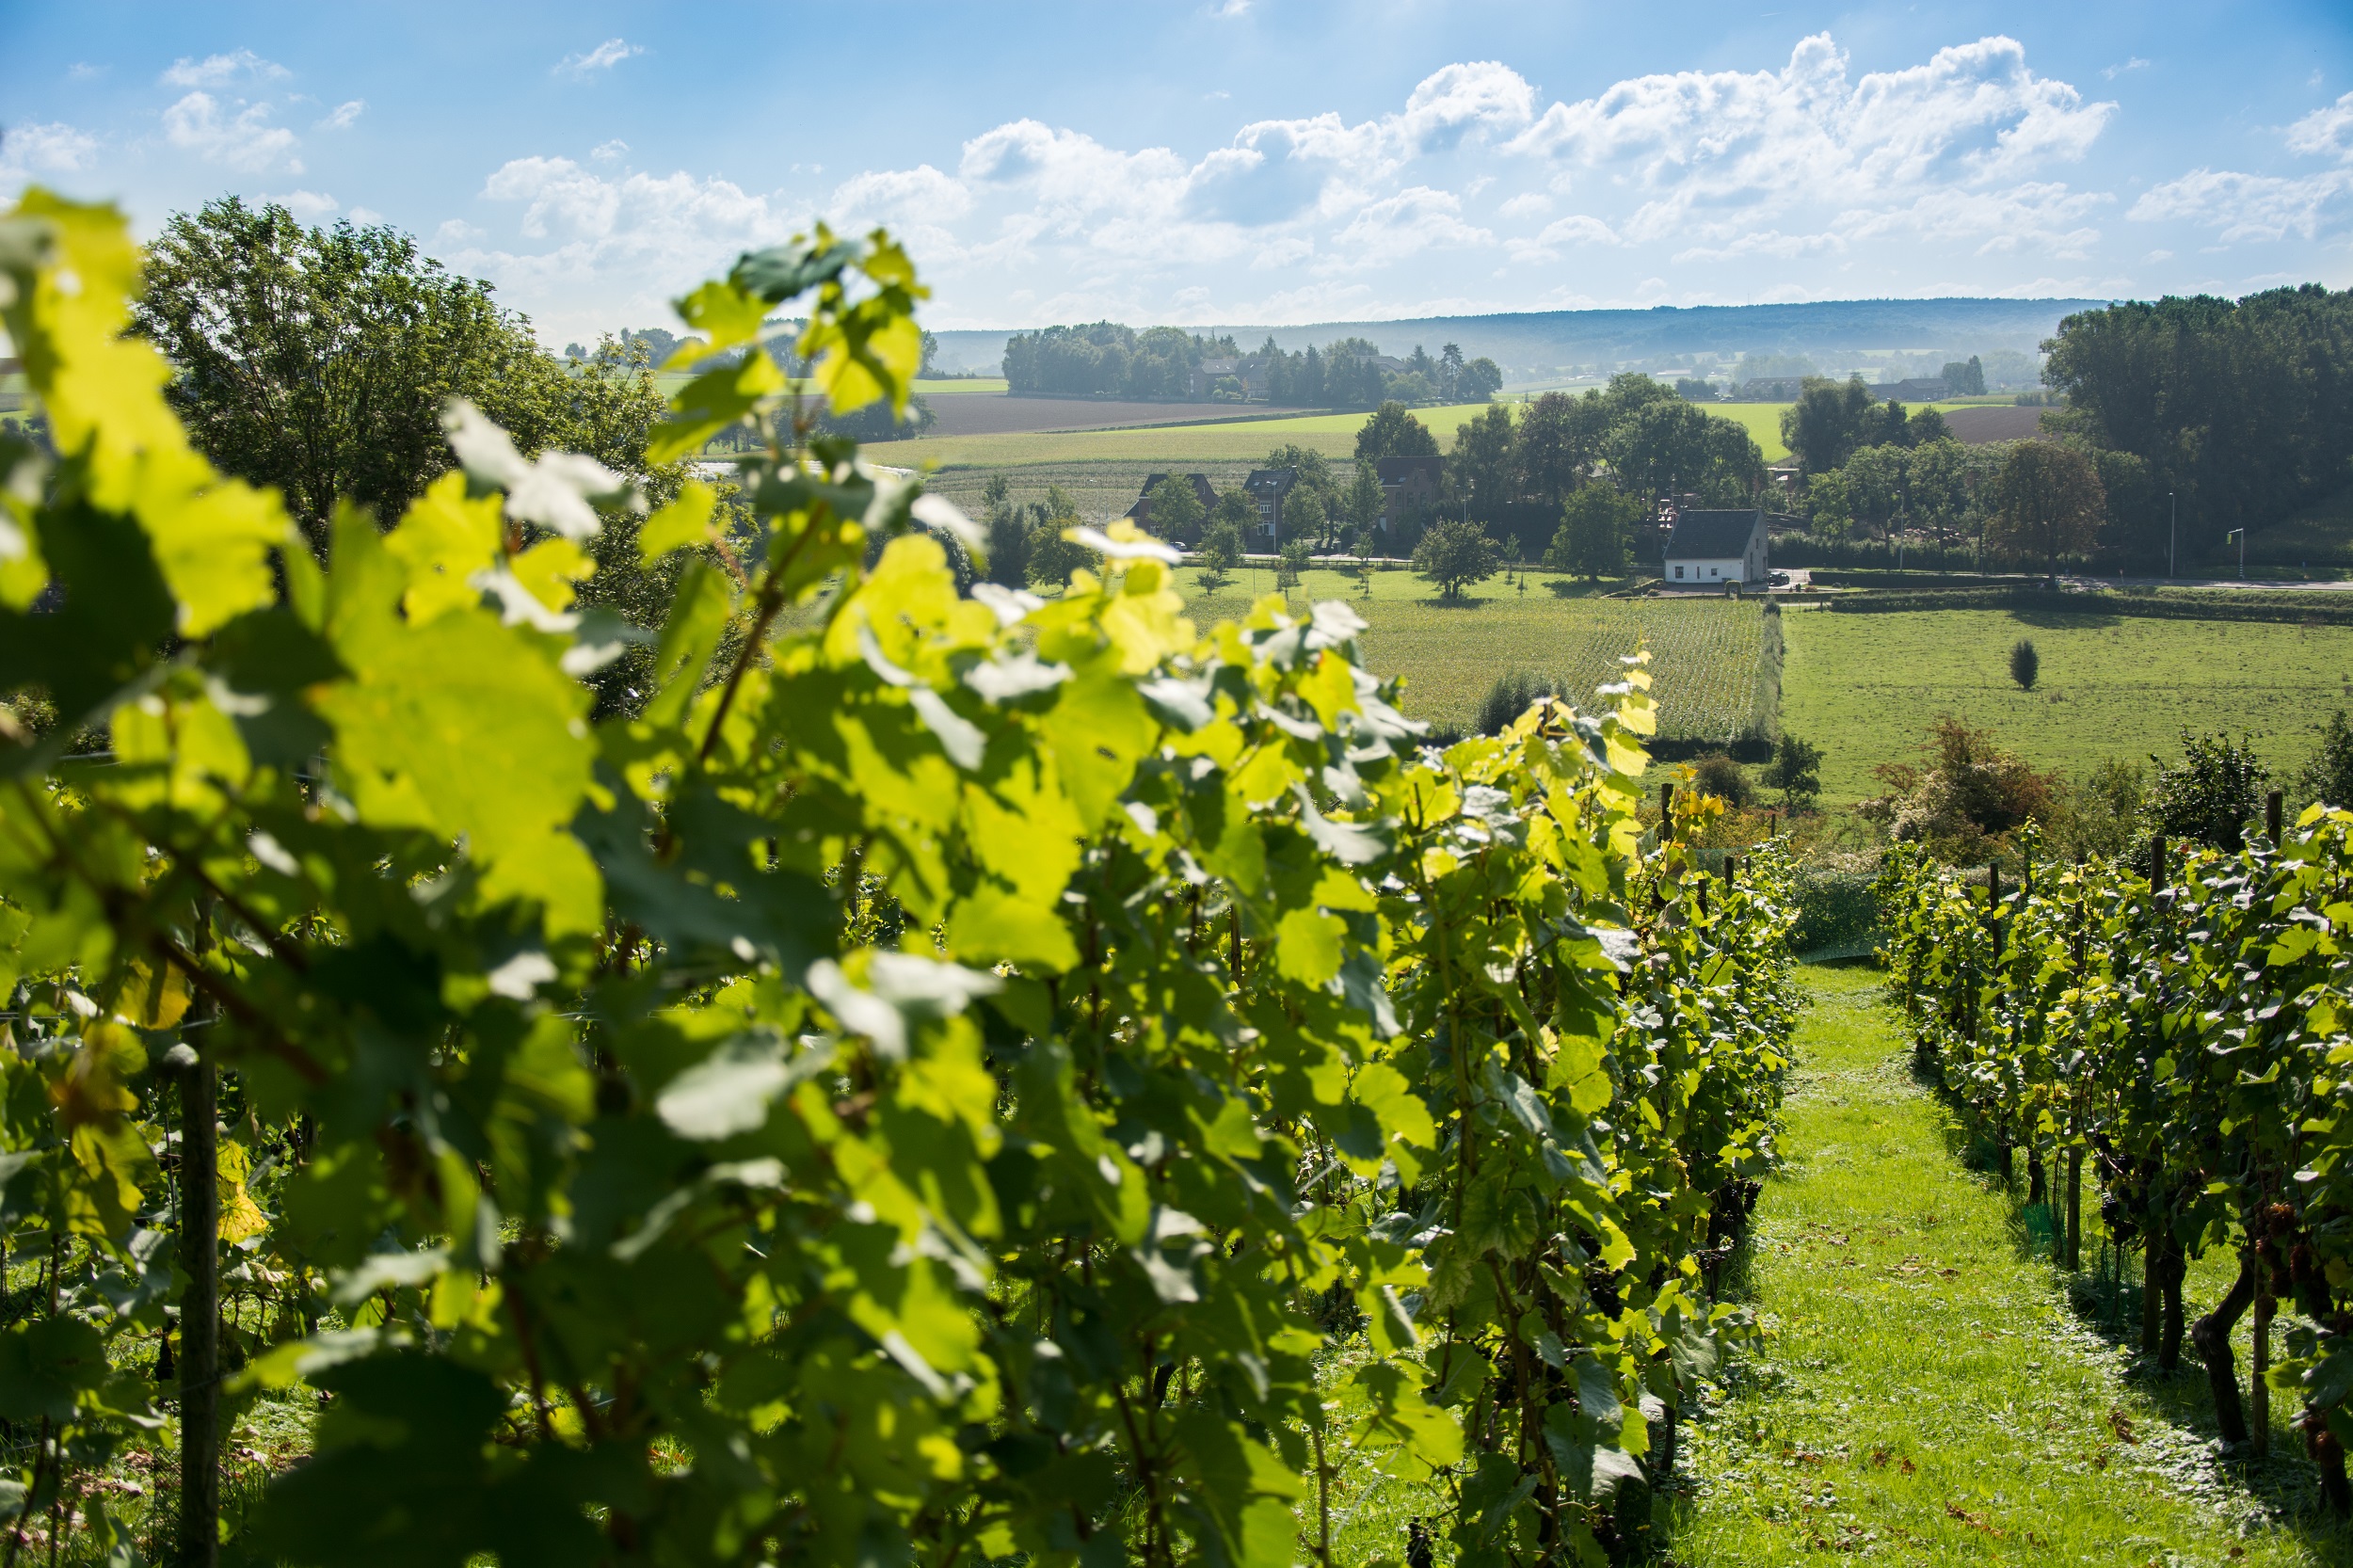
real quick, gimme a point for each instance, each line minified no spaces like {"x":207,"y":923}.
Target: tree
{"x":1796,"y":770}
{"x":1220,"y":552}
{"x":2025,"y":664}
{"x":1966,"y":803}
{"x":1695,"y":390}
{"x":1176,"y":510}
{"x":1718,"y":775}
{"x":1559,"y":444}
{"x":1877,"y":480}
{"x":1454,"y":555}
{"x":1592,"y":537}
{"x":2327,"y":777}
{"x":1051,"y":557}
{"x":1393,"y":432}
{"x":2047,"y":502}
{"x":1305,"y":514}
{"x":2210,"y":796}
{"x":1965,"y":379}
{"x":1365,"y":500}
{"x":1826,"y":423}
{"x":1237,"y":508}
{"x":1290,"y":563}
{"x":1008,"y":534}
{"x":1484,"y":466}
{"x":1481,"y":380}
{"x":319,"y":360}
{"x":1665,"y":446}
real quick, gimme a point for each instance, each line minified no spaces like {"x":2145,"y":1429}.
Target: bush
{"x":1053,"y":558}
{"x":1220,"y":552}
{"x":1290,"y":563}
{"x":2025,"y":664}
{"x":1455,"y":554}
{"x":1720,"y":776}
{"x":2329,"y":777}
{"x":1964,"y":805}
{"x":2212,"y":795}
{"x":1509,"y":697}
{"x":2105,"y":803}
{"x":1796,"y":769}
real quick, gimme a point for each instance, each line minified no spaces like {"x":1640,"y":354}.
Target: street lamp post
{"x":2242,"y":551}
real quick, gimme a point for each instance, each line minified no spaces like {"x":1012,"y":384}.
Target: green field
{"x":1708,"y":656}
{"x":1865,"y":687}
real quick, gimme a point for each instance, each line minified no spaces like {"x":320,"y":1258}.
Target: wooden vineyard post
{"x":2151,"y":1244}
{"x":2266,"y":1305}
{"x":199,"y":1312}
{"x":2076,"y":1149}
{"x":1666,"y":813}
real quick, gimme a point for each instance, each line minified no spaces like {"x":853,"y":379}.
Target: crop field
{"x":1865,"y":687}
{"x":1708,"y":656}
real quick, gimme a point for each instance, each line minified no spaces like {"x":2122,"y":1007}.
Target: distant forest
{"x":1107,"y":360}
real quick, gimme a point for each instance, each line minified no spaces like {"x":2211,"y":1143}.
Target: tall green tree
{"x":1483,"y":467}
{"x":1592,"y":537}
{"x":1559,"y":442}
{"x":1827,"y":423}
{"x":319,"y":360}
{"x":1176,"y":510}
{"x":1394,"y":432}
{"x":1364,"y":499}
{"x":2048,"y":503}
{"x":1454,"y":555}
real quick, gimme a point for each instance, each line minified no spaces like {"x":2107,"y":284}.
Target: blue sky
{"x":1237,"y":160}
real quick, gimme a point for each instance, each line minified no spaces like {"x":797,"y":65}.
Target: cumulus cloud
{"x":2243,"y":206}
{"x":604,"y":56}
{"x":1397,"y":226}
{"x":245,"y":140}
{"x":1719,"y":154}
{"x":309,"y":204}
{"x":608,"y":151}
{"x":56,"y":148}
{"x":345,"y":115}
{"x":215,"y":70}
{"x":2246,"y":206}
{"x":2324,"y":133}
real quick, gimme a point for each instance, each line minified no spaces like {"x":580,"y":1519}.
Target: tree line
{"x":1108,"y":360}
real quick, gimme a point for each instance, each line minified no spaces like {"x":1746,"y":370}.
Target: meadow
{"x":1865,"y":687}
{"x":1709,"y":657}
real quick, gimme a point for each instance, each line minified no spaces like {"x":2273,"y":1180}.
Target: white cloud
{"x":56,"y":148}
{"x":1531,"y":204}
{"x":1232,"y":8}
{"x":1723,"y":152}
{"x":2136,"y":63}
{"x":604,"y":56}
{"x":309,"y":204}
{"x":608,"y":151}
{"x":345,"y":115}
{"x":366,"y":217}
{"x":2245,"y":206}
{"x":1397,"y":226}
{"x":82,"y":71}
{"x":2324,"y":133}
{"x":1575,"y":229}
{"x":215,"y":70}
{"x":245,"y":141}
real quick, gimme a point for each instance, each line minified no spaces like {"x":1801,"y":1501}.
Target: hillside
{"x":1534,"y":343}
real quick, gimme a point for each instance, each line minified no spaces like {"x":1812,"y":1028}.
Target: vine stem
{"x":200,"y":1318}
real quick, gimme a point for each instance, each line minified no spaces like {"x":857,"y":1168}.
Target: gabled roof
{"x":1270,"y":478}
{"x":1395,"y":470}
{"x":1713,"y":535}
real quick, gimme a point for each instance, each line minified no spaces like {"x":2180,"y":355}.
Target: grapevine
{"x":933,"y":1084}
{"x":2184,"y":1029}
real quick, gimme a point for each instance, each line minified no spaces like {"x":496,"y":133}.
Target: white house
{"x":1714,"y":550}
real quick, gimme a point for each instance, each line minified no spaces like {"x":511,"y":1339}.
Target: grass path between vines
{"x":1925,"y":1392}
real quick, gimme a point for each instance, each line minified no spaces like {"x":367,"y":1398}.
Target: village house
{"x":1268,"y":486}
{"x":1142,"y":510}
{"x":1716,"y":549}
{"x":1407,"y":485}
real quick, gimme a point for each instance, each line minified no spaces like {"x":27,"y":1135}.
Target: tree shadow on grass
{"x":1439,"y":601}
{"x":2104,"y":1299}
{"x":2066,"y":620}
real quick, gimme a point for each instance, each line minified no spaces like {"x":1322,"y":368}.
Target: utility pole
{"x":2172,"y":532}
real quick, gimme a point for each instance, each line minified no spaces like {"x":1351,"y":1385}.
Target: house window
{"x":1715,"y":571}
{"x":1678,"y":571}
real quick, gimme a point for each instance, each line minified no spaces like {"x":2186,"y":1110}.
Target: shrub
{"x":2211,"y":795}
{"x":1454,"y":555}
{"x":1796,"y":770}
{"x":2329,"y":777}
{"x":2025,"y":664}
{"x":1720,"y":776}
{"x":1290,"y":563}
{"x":1966,"y":803}
{"x":1509,"y":697}
{"x":2104,"y":814}
{"x":1221,"y":550}
{"x":1053,"y":558}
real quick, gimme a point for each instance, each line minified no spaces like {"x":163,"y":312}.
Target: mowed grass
{"x":1706,"y":655}
{"x":1925,"y":1393}
{"x":1865,"y":687}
